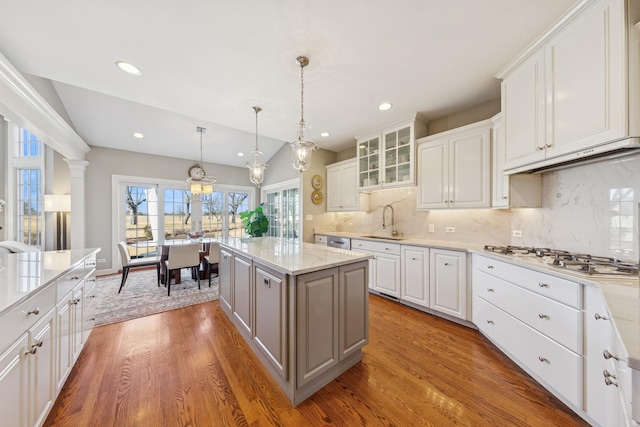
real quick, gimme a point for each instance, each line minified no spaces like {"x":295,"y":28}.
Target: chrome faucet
{"x":394,"y":232}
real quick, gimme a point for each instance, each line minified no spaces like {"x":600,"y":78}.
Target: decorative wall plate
{"x":317,"y":197}
{"x":316,"y":182}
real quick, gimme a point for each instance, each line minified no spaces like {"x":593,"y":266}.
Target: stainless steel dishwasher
{"x":339,"y":242}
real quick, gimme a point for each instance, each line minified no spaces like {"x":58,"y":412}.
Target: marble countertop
{"x":293,"y":257}
{"x":411,"y":241}
{"x":24,"y":274}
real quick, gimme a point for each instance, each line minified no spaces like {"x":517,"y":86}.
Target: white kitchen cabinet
{"x":448,"y":282}
{"x":342,"y":188}
{"x":384,"y":267}
{"x":386,"y":156}
{"x":414,"y":286}
{"x":568,"y":92}
{"x":607,"y":382}
{"x":454,"y":168}
{"x":13,"y":383}
{"x":510,"y":191}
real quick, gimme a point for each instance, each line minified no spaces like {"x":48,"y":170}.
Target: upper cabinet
{"x":454,"y":168}
{"x":342,"y":188}
{"x":386,"y":157}
{"x":575,"y":88}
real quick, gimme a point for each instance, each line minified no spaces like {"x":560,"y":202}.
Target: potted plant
{"x":255,"y":222}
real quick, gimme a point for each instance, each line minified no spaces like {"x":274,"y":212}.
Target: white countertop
{"x":410,"y":241}
{"x":24,"y":274}
{"x":291,"y":256}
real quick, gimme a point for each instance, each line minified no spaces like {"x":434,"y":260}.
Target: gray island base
{"x":302,"y":308}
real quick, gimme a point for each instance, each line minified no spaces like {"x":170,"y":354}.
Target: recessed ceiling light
{"x":384,"y":106}
{"x":129,"y":68}
{"x":241,"y":154}
{"x":325,"y":134}
{"x":138,"y":135}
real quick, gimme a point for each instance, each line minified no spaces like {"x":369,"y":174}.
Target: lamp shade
{"x":57,"y":203}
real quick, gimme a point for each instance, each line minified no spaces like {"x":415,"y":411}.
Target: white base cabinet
{"x":384,"y":266}
{"x":415,"y":275}
{"x":448,"y":282}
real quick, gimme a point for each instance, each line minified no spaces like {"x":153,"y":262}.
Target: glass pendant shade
{"x":256,"y":163}
{"x":303,"y":146}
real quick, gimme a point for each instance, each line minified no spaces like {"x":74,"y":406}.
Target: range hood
{"x":609,"y":150}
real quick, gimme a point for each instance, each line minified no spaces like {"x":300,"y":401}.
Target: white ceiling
{"x":207,"y":62}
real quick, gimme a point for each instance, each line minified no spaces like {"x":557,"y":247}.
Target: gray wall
{"x":105,"y":162}
{"x":464,"y":117}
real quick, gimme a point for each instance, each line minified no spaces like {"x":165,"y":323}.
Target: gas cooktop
{"x":577,"y":262}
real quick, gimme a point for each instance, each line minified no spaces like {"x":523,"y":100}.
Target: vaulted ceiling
{"x":208,"y":62}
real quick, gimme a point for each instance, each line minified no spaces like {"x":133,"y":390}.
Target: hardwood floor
{"x":190,"y":367}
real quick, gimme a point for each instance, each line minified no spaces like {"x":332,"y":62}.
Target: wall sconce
{"x":61,"y":204}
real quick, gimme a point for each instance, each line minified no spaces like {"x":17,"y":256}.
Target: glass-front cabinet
{"x":386,"y":158}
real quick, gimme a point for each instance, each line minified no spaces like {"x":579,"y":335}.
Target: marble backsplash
{"x":590,"y":208}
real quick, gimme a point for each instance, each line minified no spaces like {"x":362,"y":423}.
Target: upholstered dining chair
{"x":211,"y":260}
{"x":182,"y":256}
{"x":129,"y":263}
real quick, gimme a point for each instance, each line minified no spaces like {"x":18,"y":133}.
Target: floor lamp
{"x":60,"y":204}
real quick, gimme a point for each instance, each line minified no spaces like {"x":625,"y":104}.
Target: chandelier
{"x":198,"y":183}
{"x":256,"y":164}
{"x":303,"y":146}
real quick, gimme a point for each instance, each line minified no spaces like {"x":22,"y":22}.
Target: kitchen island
{"x":302,"y":308}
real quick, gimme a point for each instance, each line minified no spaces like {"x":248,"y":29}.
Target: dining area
{"x":200,"y":257}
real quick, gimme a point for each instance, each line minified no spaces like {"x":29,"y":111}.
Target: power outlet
{"x":516,"y":233}
{"x":432,"y":228}
{"x":449,"y":229}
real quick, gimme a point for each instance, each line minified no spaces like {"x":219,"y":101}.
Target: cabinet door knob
{"x":414,"y":259}
{"x":75,"y":301}
{"x":608,"y":374}
{"x":548,"y":145}
{"x":608,"y":381}
{"x":504,"y":197}
{"x":599,"y":317}
{"x":446,"y":263}
{"x":34,"y":347}
{"x":543,"y":359}
{"x":607,"y":355}
{"x":539,"y":148}
{"x":490,"y":290}
{"x":543,"y":285}
{"x":543,"y":316}
{"x":490,"y":322}
{"x":35,"y":311}
{"x":490,"y":267}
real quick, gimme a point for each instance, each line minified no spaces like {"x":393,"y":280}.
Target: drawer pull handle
{"x":504,"y":197}
{"x":414,"y":259}
{"x":446,"y":263}
{"x":543,"y":316}
{"x":599,"y":317}
{"x":490,"y":290}
{"x":35,"y":311}
{"x":543,"y":359}
{"x":34,"y":347}
{"x":490,"y":267}
{"x":91,"y":296}
{"x":543,"y":285}
{"x":608,"y":374}
{"x":490,"y":322}
{"x":91,"y":320}
{"x":608,"y":381}
{"x":386,"y":249}
{"x":74,"y":277}
{"x":607,"y":355}
{"x":539,"y":148}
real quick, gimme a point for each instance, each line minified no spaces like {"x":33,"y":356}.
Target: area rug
{"x":141,"y":295}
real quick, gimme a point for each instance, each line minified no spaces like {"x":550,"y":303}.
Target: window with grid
{"x":238,"y":203}
{"x":30,"y":215}
{"x":141,"y":220}
{"x":213,"y":214}
{"x":282,"y":208}
{"x":177,"y":213}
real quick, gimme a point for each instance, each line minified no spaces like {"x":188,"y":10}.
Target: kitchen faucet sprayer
{"x":394,"y":232}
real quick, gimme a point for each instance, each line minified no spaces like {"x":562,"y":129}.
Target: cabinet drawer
{"x":379,"y":247}
{"x":557,"y":321}
{"x":561,"y":290}
{"x":19,"y":320}
{"x":320,"y":239}
{"x":559,"y":367}
{"x":67,"y":282}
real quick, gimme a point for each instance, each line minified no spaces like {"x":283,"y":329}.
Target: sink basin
{"x":371,"y":236}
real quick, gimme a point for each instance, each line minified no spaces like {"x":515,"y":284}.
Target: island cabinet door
{"x":270,"y":331}
{"x":224,"y":280}
{"x":316,"y":323}
{"x":242,"y":284}
{"x":354,"y":308}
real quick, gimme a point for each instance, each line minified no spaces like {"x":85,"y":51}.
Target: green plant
{"x":255,"y":222}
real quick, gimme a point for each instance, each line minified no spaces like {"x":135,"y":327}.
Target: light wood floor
{"x":190,"y":367}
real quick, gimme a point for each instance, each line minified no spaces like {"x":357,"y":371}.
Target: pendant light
{"x":256,"y":164}
{"x":198,"y":183}
{"x":303,"y":146}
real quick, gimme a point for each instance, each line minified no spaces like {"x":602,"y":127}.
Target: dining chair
{"x":129,"y":263}
{"x":211,"y":260}
{"x":182,"y":256}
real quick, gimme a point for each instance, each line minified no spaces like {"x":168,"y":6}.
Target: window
{"x":28,"y":164}
{"x":141,"y":220}
{"x":282,"y":208}
{"x":238,"y":203}
{"x":177,"y":213}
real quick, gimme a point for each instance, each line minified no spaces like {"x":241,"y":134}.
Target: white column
{"x":77,"y":169}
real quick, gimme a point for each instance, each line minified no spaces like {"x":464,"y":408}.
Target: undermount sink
{"x":370,"y":236}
